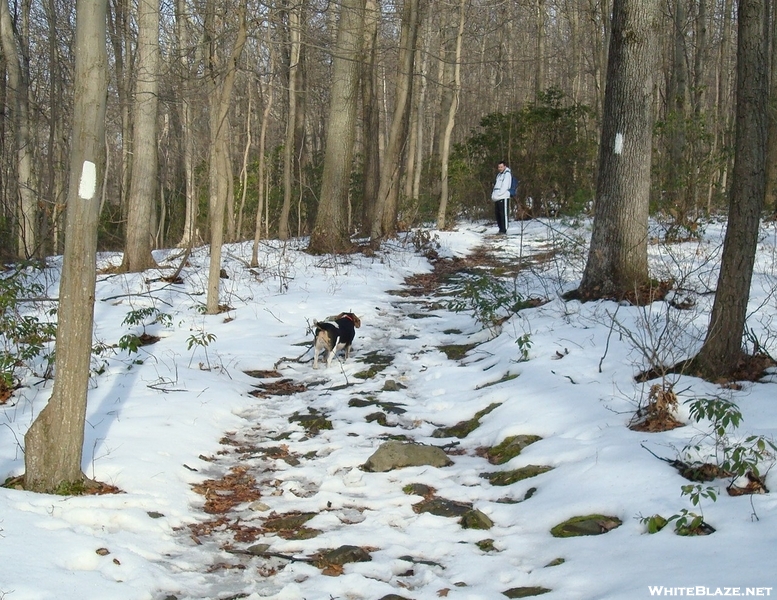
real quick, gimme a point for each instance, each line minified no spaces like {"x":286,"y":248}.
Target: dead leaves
{"x":659,"y":413}
{"x":221,"y":495}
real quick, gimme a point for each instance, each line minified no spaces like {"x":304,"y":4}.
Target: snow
{"x":168,"y":417}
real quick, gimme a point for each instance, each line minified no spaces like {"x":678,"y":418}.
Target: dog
{"x":333,"y":335}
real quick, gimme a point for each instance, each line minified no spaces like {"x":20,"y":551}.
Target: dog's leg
{"x":333,"y":352}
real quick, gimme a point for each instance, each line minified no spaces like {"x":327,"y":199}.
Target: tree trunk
{"x":54,"y":442}
{"x":18,"y":79}
{"x":330,"y":233}
{"x":617,"y":259}
{"x":260,"y":183}
{"x":371,"y":118}
{"x":291,"y":119}
{"x":384,"y":222}
{"x":722,"y":349}
{"x":445,"y":147}
{"x":220,"y":172}
{"x":771,"y":155}
{"x":143,"y":184}
{"x":189,"y":236}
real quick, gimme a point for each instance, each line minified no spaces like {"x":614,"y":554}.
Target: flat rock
{"x":396,"y":455}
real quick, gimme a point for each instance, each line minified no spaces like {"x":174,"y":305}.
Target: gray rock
{"x":395,"y":455}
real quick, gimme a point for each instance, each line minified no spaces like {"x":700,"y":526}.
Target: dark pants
{"x":501,"y":208}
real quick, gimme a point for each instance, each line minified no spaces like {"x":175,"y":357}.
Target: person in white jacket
{"x":501,"y":195}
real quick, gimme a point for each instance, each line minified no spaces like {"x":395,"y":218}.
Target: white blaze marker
{"x":618,"y":143}
{"x":88,"y":183}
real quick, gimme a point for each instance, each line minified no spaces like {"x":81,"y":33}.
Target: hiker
{"x":501,"y":195}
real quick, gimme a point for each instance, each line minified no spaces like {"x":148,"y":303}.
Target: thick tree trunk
{"x":617,"y":259}
{"x":722,"y":349}
{"x":330,"y":233}
{"x":143,"y":184}
{"x":54,"y":442}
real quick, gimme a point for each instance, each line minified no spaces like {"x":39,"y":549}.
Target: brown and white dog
{"x":333,"y":335}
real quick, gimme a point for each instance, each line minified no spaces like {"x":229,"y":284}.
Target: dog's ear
{"x":357,"y":322}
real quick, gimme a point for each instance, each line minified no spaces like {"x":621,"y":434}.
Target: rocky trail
{"x":365,"y":480}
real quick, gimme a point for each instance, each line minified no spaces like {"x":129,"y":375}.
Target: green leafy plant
{"x":144,"y":317}
{"x":735,"y":458}
{"x":24,"y":337}
{"x":686,"y":522}
{"x":524,"y":345}
{"x":653,"y":523}
{"x":491,"y":300}
{"x":201,"y":340}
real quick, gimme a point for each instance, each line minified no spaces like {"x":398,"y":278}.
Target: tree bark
{"x":384,"y":221}
{"x":330,"y":233}
{"x":220,"y":171}
{"x":445,"y":147}
{"x":27,"y":208}
{"x":54,"y":442}
{"x":143,"y":183}
{"x":260,"y":178}
{"x":291,"y":119}
{"x":722,"y":349}
{"x":371,"y":117}
{"x":617,"y":258}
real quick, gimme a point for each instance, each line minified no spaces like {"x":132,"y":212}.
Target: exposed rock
{"x":510,"y":477}
{"x":463,"y":428}
{"x":419,"y":489}
{"x":341,"y":556}
{"x":288,"y":522}
{"x":395,"y":455}
{"x":525,"y":592}
{"x":475,"y":519}
{"x":510,"y":448}
{"x":586,"y":525}
{"x":441,"y":507}
{"x":393,"y":386}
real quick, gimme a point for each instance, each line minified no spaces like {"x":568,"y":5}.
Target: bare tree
{"x":18,"y":80}
{"x":722,"y":349}
{"x":143,"y":184}
{"x":54,"y":442}
{"x":330,"y":233}
{"x":453,"y":83}
{"x":295,"y":49}
{"x":221,"y":82}
{"x":384,"y":220}
{"x":617,"y":258}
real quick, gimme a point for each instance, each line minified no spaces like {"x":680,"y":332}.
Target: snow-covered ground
{"x":180,"y":413}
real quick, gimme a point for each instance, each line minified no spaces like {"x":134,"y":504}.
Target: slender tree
{"x":330,"y":233}
{"x":384,"y":220}
{"x":54,"y":442}
{"x":454,"y":81}
{"x":617,"y":258}
{"x":19,"y":83}
{"x":722,"y":350}
{"x":295,"y":49}
{"x":221,"y":83}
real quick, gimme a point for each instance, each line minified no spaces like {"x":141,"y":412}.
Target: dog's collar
{"x":349,"y":317}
